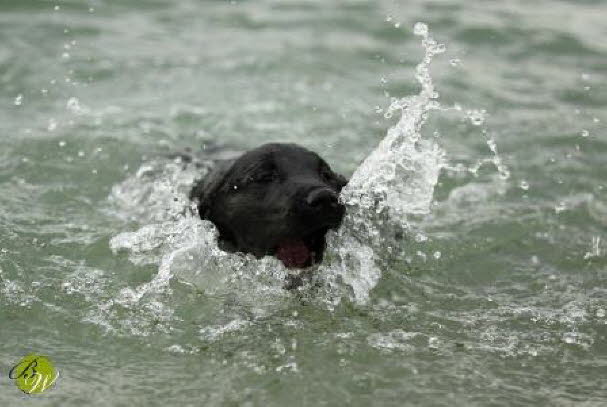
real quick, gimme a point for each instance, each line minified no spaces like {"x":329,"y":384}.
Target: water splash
{"x":400,"y":174}
{"x":182,"y":245}
{"x":394,"y":182}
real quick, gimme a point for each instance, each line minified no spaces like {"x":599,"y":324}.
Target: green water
{"x":501,"y":300}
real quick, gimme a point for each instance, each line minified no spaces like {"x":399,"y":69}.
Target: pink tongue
{"x":293,"y":253}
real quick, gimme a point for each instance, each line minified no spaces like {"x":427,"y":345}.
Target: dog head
{"x":278,"y":199}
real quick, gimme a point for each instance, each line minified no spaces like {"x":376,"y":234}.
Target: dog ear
{"x":204,"y":190}
{"x":341,"y":180}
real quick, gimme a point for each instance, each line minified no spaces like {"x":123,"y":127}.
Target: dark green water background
{"x":512,"y":312}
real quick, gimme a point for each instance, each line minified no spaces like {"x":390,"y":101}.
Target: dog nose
{"x":322,"y":197}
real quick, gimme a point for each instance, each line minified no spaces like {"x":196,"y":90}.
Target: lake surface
{"x":496,"y":295}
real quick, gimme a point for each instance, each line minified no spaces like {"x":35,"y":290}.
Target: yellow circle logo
{"x":34,"y":374}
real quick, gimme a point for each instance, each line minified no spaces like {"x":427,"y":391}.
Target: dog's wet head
{"x":278,"y":200}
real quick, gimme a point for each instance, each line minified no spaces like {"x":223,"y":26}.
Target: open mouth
{"x":301,"y":252}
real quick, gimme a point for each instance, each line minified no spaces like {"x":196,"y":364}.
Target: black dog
{"x":277,"y":200}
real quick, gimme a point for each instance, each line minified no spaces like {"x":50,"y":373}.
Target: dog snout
{"x":322,"y":198}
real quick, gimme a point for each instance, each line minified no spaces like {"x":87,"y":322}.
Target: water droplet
{"x":420,"y":29}
{"x":80,"y":153}
{"x":477,"y":117}
{"x":388,"y":18}
{"x":477,"y":121}
{"x":56,"y":8}
{"x":600,"y":312}
{"x":62,"y":143}
{"x":524,"y":185}
{"x":44,"y":91}
{"x":420,"y":238}
{"x":91,"y":10}
{"x":596,"y":119}
{"x":433,"y":105}
{"x":397,"y":25}
{"x":433,"y":342}
{"x":383,"y":80}
{"x":437,"y":255}
{"x":19,"y":100}
{"x":585,"y":133}
{"x":52,"y":124}
{"x":65,"y":55}
{"x":585,"y":76}
{"x":455,"y":62}
{"x":570,"y":337}
{"x":73,"y":105}
{"x":595,"y":248}
{"x":560,"y":207}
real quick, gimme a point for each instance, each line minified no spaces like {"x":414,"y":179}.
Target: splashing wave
{"x":395,"y":182}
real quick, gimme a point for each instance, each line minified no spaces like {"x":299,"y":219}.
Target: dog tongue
{"x":293,"y":253}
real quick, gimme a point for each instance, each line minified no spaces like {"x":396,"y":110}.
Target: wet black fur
{"x":268,"y":195}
